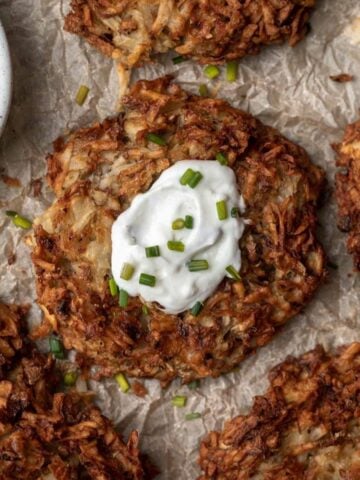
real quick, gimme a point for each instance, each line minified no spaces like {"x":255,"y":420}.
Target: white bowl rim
{"x":5,"y":78}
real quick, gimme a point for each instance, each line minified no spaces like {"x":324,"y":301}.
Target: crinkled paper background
{"x":287,"y":88}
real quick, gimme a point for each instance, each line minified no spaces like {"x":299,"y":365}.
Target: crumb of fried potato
{"x":36,"y":186}
{"x":139,"y":389}
{"x":342,"y":78}
{"x":10,"y":181}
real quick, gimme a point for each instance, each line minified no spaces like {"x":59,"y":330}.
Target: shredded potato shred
{"x":131,"y":32}
{"x":46,"y":433}
{"x":348,"y":189}
{"x":306,"y":426}
{"x":95,"y":173}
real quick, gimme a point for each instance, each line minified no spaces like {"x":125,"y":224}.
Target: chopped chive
{"x":187,"y":176}
{"x":148,"y":280}
{"x":195,"y":179}
{"x":221,"y":208}
{"x":10,"y":213}
{"x":211,"y":71}
{"x":231,"y":71}
{"x":203,"y":90}
{"x":152,"y":137}
{"x":196,"y":309}
{"x":56,"y":347}
{"x":82,"y":95}
{"x":178,"y":224}
{"x":175,"y":246}
{"x":70,"y":378}
{"x":192,"y":416}
{"x":127,"y":271}
{"x":152,"y":251}
{"x":113,"y":287}
{"x":221,"y":158}
{"x":234,"y":212}
{"x":59,"y":355}
{"x":20,"y":221}
{"x":233,"y":272}
{"x":123,"y":298}
{"x":198,"y":265}
{"x":189,"y":222}
{"x":145,"y":310}
{"x":193,"y":385}
{"x":178,"y":59}
{"x":179,"y":401}
{"x":332,"y":265}
{"x":122,"y":382}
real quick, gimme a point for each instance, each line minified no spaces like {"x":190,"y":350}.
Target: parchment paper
{"x":287,"y":88}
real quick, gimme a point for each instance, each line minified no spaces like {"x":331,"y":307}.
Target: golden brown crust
{"x":348,"y":189}
{"x":44,"y":431}
{"x":208,"y":31}
{"x":96,"y":172}
{"x":306,"y":426}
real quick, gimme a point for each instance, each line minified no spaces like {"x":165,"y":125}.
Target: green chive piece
{"x":152,"y":251}
{"x":203,"y":90}
{"x":82,"y":95}
{"x":123,"y":298}
{"x":178,"y":59}
{"x":70,"y":378}
{"x":196,"y":309}
{"x":179,"y":401}
{"x":145,"y":310}
{"x":175,"y":246}
{"x":187,"y":176}
{"x":211,"y":71}
{"x":192,"y":416}
{"x":56,"y":347}
{"x":127,"y":271}
{"x":234,"y":212}
{"x":189,"y":222}
{"x":195,"y":179}
{"x":21,"y":222}
{"x":10,"y":213}
{"x":221,"y":208}
{"x":194,"y":385}
{"x":221,"y":158}
{"x":178,"y":224}
{"x":152,"y":137}
{"x":60,"y":355}
{"x":233,"y":272}
{"x":122,"y":382}
{"x":148,"y":280}
{"x":113,"y":287}
{"x":232,"y":71}
{"x":198,"y":265}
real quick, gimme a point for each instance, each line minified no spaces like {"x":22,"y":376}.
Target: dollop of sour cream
{"x":148,"y":222}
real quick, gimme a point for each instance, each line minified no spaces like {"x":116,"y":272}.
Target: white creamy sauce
{"x":148,"y":222}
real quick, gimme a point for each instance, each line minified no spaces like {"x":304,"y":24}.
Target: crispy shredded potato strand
{"x":213,"y":31}
{"x":306,"y":426}
{"x":96,"y":172}
{"x":45,"y":432}
{"x":348,"y":189}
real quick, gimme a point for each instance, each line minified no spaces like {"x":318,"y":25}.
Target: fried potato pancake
{"x":348,"y":189}
{"x":306,"y":426}
{"x":208,"y":31}
{"x":96,"y":172}
{"x":44,"y":431}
